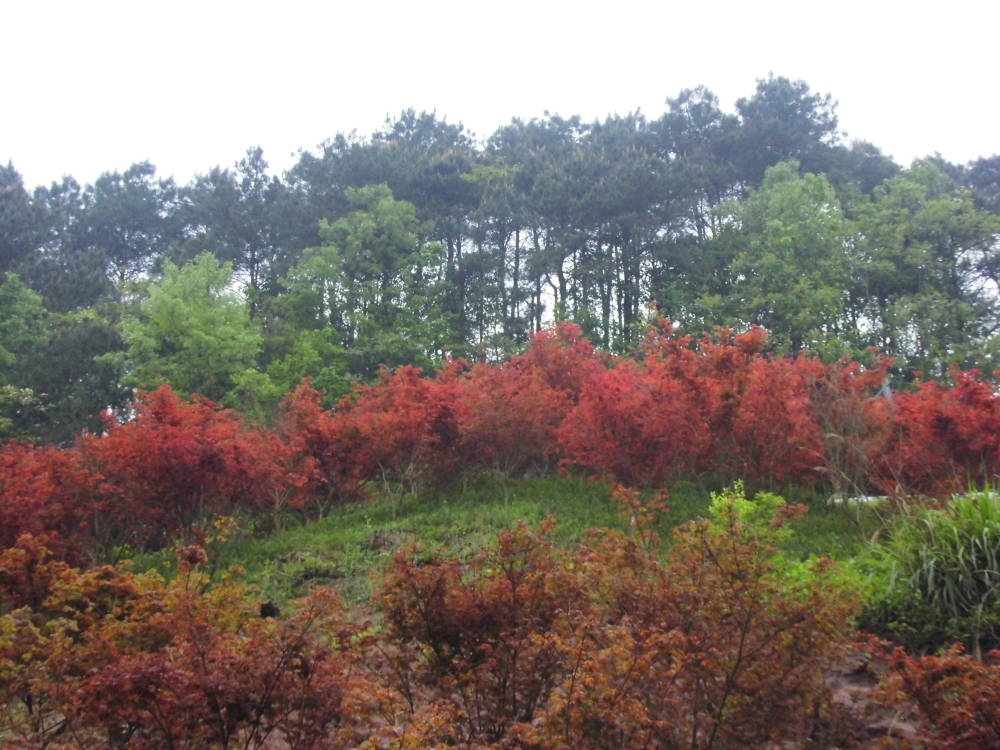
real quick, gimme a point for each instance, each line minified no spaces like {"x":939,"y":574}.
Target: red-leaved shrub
{"x":176,"y":463}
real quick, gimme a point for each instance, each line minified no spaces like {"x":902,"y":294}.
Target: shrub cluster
{"x":679,"y":408}
{"x":723,"y":644}
{"x":935,"y":576}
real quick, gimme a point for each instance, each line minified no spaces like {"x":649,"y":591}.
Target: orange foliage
{"x":120,"y":660}
{"x":957,"y":695}
{"x":527,"y":646}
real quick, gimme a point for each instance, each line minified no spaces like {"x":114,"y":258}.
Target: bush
{"x":957,"y":695}
{"x":723,"y":645}
{"x":937,"y":576}
{"x":51,"y":495}
{"x":485,"y":643}
{"x":116,"y":659}
{"x":940,"y":439}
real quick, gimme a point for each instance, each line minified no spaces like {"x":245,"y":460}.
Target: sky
{"x":92,"y":86}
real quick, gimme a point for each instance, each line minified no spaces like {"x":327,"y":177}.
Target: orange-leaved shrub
{"x":50,"y":494}
{"x":509,"y":420}
{"x":940,"y":439}
{"x":722,"y":645}
{"x":637,"y":424}
{"x":683,"y":409}
{"x":402,"y":428}
{"x":511,"y":411}
{"x":116,"y":659}
{"x":957,"y":695}
{"x":482,"y":645}
{"x":778,"y":440}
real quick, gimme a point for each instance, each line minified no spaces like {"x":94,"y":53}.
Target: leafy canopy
{"x":192,"y":331}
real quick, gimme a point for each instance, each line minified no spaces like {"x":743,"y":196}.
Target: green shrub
{"x":936,"y":576}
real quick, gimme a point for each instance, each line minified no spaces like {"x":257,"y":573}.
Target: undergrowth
{"x":353,"y":544}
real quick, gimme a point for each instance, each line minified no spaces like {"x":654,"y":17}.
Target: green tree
{"x":64,"y":268}
{"x":23,"y":325}
{"x":238,"y":217}
{"x":928,"y":276}
{"x":23,"y":330}
{"x":77,"y":373}
{"x":983,"y":178}
{"x":376,"y":281}
{"x":58,"y":371}
{"x":615,"y":210}
{"x":423,"y":160}
{"x":784,"y":120}
{"x":494,"y":270}
{"x":192,"y":331}
{"x":130,"y":220}
{"x":547,"y":177}
{"x":789,"y":265}
{"x":697,"y":140}
{"x":20,"y":220}
{"x":858,"y":169}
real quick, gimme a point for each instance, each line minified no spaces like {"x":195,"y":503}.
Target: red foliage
{"x":957,"y":695}
{"x":510,"y":415}
{"x":717,"y":407}
{"x":115,"y":659}
{"x":512,"y":411}
{"x":721,"y":645}
{"x":684,"y":409}
{"x":777,"y":437}
{"x":939,"y":439}
{"x":27,"y":571}
{"x":611,"y":647}
{"x":639,"y":425}
{"x":487,"y":643}
{"x":177,"y":463}
{"x":321,"y":460}
{"x":402,"y":428}
{"x":563,"y":357}
{"x":50,"y":494}
{"x":714,"y":648}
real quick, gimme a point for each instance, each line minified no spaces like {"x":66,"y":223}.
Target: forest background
{"x":418,"y":245}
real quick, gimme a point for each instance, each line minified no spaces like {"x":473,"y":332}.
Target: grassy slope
{"x":350,"y":547}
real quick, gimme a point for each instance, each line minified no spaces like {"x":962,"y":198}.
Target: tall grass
{"x":937,"y":575}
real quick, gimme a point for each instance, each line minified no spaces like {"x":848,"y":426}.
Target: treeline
{"x":718,"y":410}
{"x":416,"y":244}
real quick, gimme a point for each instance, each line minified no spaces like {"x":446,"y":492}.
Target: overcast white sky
{"x":95,"y":85}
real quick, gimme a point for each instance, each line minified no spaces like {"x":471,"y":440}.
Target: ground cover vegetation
{"x":320,"y":461}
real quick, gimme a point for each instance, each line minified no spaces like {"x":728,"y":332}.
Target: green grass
{"x":936,"y":575}
{"x":838,"y":531}
{"x":350,"y":547}
{"x":353,"y":545}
